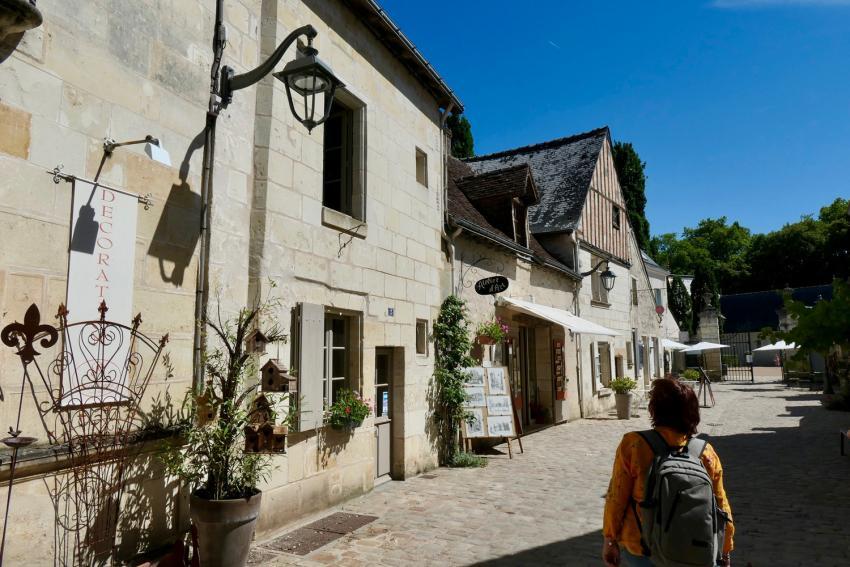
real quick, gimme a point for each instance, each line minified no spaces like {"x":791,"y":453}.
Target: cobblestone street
{"x":788,"y":486}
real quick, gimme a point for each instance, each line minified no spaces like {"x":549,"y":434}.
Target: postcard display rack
{"x":489,"y":401}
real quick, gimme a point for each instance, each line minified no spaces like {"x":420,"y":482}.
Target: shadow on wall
{"x":178,"y":230}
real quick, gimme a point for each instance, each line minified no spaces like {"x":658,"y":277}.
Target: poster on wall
{"x":100,"y":269}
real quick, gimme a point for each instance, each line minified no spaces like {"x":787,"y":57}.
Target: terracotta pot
{"x":485,"y":340}
{"x":225,"y":529}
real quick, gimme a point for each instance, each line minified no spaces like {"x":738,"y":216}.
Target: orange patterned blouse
{"x":631,"y":466}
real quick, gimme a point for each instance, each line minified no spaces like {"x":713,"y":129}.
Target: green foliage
{"x":463,"y":459}
{"x":630,"y":174}
{"x":452,"y":345}
{"x":680,"y":303}
{"x":496,"y":329}
{"x":348,"y":409}
{"x":691,"y":375}
{"x":622,"y":385}
{"x":704,"y":292}
{"x":212,"y":460}
{"x":808,"y":252}
{"x":462,"y":142}
{"x":823,"y":326}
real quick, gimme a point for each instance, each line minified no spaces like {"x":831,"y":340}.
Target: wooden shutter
{"x":311,"y":366}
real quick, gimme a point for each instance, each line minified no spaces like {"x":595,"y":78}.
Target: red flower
{"x":347,"y":409}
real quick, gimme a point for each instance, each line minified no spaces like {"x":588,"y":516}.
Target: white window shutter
{"x":311,"y":366}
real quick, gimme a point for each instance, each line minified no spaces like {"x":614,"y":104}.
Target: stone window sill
{"x":343,"y":222}
{"x":601,"y":304}
{"x":605,"y":392}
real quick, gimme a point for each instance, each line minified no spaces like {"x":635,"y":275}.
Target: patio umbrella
{"x":703,"y":346}
{"x":781,"y":345}
{"x":673,"y":345}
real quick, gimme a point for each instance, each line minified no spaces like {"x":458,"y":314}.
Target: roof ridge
{"x":542,"y":145}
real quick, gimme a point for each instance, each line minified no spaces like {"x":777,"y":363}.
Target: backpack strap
{"x":696,"y":446}
{"x":656,"y":441}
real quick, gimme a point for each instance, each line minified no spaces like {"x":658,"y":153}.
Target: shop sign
{"x":491,"y":285}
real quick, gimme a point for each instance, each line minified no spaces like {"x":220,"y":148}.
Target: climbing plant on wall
{"x":452,"y":345}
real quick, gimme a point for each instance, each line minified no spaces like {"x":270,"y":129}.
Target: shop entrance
{"x":389,"y":412}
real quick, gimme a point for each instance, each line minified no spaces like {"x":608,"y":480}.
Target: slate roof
{"x":749,"y":312}
{"x":463,"y":212}
{"x":562,"y":169}
{"x":515,"y":181}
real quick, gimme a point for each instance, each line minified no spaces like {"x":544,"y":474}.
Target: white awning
{"x":700,"y":347}
{"x":781,"y":345}
{"x":559,"y":316}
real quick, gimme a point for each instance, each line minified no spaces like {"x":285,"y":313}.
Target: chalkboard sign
{"x":491,"y":285}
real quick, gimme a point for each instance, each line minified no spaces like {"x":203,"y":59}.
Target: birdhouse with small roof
{"x":256,"y":342}
{"x":275,"y":378}
{"x":261,"y":411}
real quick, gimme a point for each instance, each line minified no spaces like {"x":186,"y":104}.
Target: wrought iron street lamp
{"x":307,"y":79}
{"x":607,"y":276}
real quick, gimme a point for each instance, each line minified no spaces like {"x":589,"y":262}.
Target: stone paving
{"x":789,"y":489}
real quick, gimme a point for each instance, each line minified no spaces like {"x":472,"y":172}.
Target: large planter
{"x":225,"y":529}
{"x":624,"y":405}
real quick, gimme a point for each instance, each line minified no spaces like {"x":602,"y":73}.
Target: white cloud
{"x":774,"y":3}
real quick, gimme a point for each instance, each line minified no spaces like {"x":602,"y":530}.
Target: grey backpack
{"x":680,"y":522}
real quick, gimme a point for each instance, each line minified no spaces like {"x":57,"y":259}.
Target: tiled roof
{"x":515,"y":181}
{"x":461,"y":209}
{"x":562,"y":170}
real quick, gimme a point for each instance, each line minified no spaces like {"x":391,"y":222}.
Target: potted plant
{"x":623,"y":396}
{"x":489,"y":334}
{"x":223,"y":478}
{"x":348,"y":411}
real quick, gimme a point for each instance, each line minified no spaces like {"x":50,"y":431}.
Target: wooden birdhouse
{"x":256,"y":342}
{"x":205,"y":411}
{"x":278,"y":439}
{"x":275,"y":378}
{"x":253,"y":441}
{"x":261,"y":411}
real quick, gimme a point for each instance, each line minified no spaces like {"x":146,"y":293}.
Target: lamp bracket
{"x":230,"y":81}
{"x":594,"y":268}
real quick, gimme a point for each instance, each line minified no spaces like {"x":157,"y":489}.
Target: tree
{"x":630,"y":174}
{"x":680,"y":303}
{"x":462,"y":142}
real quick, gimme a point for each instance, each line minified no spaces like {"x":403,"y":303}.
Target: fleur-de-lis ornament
{"x":23,"y":335}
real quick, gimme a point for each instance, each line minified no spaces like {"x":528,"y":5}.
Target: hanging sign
{"x":491,"y":285}
{"x":100,"y":269}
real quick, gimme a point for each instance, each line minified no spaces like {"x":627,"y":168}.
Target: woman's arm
{"x":619,"y":493}
{"x":715,"y":471}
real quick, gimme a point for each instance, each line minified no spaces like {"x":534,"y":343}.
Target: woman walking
{"x":674,"y":412}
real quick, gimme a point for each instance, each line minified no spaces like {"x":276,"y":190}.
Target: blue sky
{"x":739,"y":107}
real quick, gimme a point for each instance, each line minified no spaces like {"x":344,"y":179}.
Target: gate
{"x":737,"y":359}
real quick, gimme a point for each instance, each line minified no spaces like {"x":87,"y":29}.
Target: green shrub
{"x":691,"y":375}
{"x":464,"y":459}
{"x":623,"y":385}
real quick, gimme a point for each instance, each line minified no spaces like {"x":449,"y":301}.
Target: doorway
{"x":383,"y":411}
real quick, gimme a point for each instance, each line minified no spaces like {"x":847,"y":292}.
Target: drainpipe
{"x":201,"y":295}
{"x":444,"y":155}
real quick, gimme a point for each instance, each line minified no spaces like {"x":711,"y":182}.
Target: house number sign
{"x":491,"y":285}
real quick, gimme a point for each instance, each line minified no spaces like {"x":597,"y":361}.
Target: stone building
{"x":581,"y":221}
{"x":345,"y":221}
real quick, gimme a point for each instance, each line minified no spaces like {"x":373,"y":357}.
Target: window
{"x":603,"y":353}
{"x":616,"y":217}
{"x":599,"y":293}
{"x":634,"y":292}
{"x":520,"y":218}
{"x":343,"y":172}
{"x":421,"y":167}
{"x":659,"y":300}
{"x":421,"y":336}
{"x":630,"y":359}
{"x":326,"y":358}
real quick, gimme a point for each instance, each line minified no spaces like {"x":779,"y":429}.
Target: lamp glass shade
{"x":310,"y":84}
{"x":608,"y":278}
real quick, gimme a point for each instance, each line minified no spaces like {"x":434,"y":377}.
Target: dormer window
{"x":520,"y":218}
{"x":616,"y":217}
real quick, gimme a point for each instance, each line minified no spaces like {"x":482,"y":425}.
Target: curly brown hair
{"x":673,"y":404}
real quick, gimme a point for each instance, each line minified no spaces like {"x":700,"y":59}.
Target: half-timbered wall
{"x":597,"y":218}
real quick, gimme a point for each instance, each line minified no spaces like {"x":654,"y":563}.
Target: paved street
{"x":789,"y":489}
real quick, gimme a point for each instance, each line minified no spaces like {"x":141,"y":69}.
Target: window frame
{"x":598,"y":293}
{"x":634,"y":291}
{"x":425,"y":351}
{"x":615,"y":217}
{"x":353,"y":184}
{"x":421,"y":170}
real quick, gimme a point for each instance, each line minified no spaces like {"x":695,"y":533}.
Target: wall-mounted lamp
{"x":607,"y":276}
